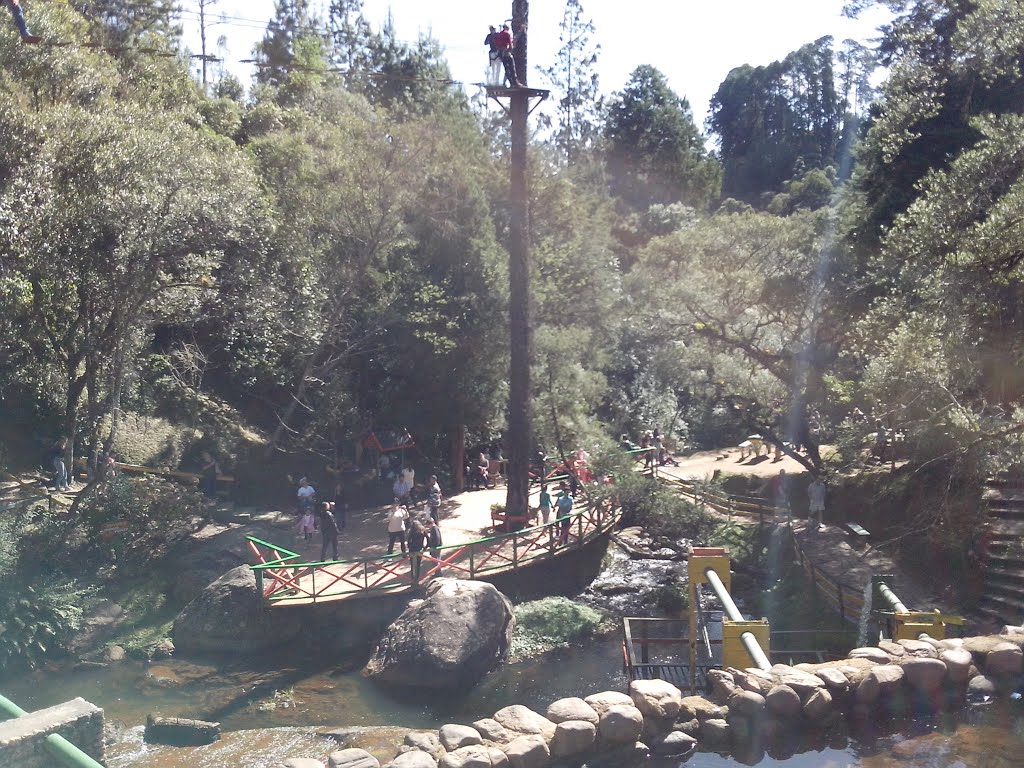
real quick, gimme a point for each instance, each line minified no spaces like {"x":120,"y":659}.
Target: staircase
{"x":1003,"y":596}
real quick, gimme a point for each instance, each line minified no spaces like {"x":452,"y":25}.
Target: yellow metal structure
{"x":734,"y":652}
{"x":703,"y":558}
{"x":910,"y":626}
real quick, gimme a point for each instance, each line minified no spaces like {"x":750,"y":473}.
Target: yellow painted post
{"x":734,"y":652}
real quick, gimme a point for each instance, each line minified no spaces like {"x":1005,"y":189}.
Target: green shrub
{"x":553,"y":622}
{"x":672,"y":600}
{"x":37,"y":620}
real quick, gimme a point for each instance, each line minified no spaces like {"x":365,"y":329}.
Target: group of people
{"x":563,"y":504}
{"x":775,"y":490}
{"x":329,"y":517}
{"x":501,"y":49}
{"x":416,"y":532}
{"x":652,"y":441}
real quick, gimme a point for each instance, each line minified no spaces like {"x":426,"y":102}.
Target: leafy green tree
{"x":409,"y":79}
{"x":279,"y":50}
{"x":575,"y":78}
{"x":351,"y":35}
{"x":769,"y":118}
{"x":746,"y":296}
{"x":117,"y":222}
{"x":950,"y":60}
{"x":654,"y":151}
{"x":123,"y":22}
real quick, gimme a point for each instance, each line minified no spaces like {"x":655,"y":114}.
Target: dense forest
{"x":268,"y":270}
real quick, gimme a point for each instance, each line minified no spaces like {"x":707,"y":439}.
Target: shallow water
{"x":274,"y":706}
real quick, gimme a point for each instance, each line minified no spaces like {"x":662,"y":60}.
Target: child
{"x":545,"y":504}
{"x":306,"y":524}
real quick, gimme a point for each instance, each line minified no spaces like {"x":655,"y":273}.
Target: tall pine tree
{"x":574,"y":76}
{"x":292,"y":21}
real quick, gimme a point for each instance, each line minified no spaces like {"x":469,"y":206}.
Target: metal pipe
{"x":891,"y":599}
{"x":747,"y":638}
{"x":62,"y":749}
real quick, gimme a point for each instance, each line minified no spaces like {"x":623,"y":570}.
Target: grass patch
{"x":554,"y":622}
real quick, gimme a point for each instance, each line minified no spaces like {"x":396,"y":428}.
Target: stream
{"x":270,"y":708}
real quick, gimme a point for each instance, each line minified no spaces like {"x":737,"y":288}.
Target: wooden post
{"x":519,"y":422}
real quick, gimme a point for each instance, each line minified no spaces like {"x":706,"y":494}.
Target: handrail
{"x":64,"y":751}
{"x":281,"y":578}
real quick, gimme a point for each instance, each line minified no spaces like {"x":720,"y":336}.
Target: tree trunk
{"x":458,"y":458}
{"x":517,"y":500}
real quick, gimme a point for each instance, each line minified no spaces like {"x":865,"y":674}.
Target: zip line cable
{"x":156,"y":52}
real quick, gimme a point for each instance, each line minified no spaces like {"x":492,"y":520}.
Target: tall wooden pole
{"x":517,"y":500}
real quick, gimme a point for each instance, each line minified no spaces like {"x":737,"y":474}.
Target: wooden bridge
{"x":283,"y":579}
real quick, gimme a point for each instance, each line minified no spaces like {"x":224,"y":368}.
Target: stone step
{"x":997,"y":614}
{"x":1005,"y":588}
{"x":1005,"y":573}
{"x":1005,"y":510}
{"x":1010,"y":610}
{"x":1007,"y":526}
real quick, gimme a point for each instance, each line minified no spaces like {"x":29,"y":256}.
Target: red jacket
{"x":503,"y":41}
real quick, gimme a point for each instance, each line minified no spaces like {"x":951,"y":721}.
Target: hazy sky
{"x":694,"y":42}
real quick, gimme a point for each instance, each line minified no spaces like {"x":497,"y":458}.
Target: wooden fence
{"x":282,"y":578}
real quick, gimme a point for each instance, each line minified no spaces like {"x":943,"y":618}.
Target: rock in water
{"x":453,"y":637}
{"x":229,"y":616}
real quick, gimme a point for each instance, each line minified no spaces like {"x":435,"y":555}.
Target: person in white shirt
{"x":396,"y":526}
{"x":816,"y":497}
{"x":306,"y":494}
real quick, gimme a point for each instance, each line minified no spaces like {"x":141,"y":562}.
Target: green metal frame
{"x":63,"y":751}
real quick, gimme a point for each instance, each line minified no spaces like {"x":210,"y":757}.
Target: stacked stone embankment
{"x":655,"y":718}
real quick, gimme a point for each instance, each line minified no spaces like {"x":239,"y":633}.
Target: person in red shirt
{"x":503,"y":41}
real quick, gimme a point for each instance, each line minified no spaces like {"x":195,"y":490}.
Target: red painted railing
{"x":282,"y":577}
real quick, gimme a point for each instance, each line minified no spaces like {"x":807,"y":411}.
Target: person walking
{"x":307,"y":524}
{"x":435,"y":542}
{"x":340,"y":507}
{"x":816,"y":500}
{"x":774,"y":489}
{"x":417,"y":540}
{"x":208,"y":475}
{"x":60,"y":477}
{"x":328,"y":532}
{"x":305,"y":495}
{"x":396,"y":526}
{"x":565,"y":504}
{"x":434,"y":499}
{"x":545,"y":504}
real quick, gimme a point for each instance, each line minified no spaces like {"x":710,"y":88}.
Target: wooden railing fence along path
{"x":282,"y":578}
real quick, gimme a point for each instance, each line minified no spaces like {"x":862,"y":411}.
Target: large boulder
{"x":958,"y":663}
{"x":453,"y":637}
{"x":620,"y":724}
{"x":523,"y":721}
{"x":573,"y":737}
{"x":530,"y":751}
{"x":229,"y":616}
{"x":924,"y":674}
{"x":571,"y":709}
{"x":656,"y":698}
{"x":1003,"y":660}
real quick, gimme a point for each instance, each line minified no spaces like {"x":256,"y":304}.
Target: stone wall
{"x":23,"y":739}
{"x":745,"y":710}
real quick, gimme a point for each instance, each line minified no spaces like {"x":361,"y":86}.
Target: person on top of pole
{"x":19,"y":21}
{"x":493,"y":57}
{"x":504,"y":42}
